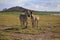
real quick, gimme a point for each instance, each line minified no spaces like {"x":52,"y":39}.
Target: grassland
{"x":11,"y":20}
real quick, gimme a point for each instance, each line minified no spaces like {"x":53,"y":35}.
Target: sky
{"x":37,"y":5}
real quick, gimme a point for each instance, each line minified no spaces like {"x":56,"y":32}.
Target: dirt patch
{"x":47,"y":35}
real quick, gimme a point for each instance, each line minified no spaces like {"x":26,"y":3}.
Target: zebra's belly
{"x":23,"y":18}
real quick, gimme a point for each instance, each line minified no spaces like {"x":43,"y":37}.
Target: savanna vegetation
{"x":10,"y":25}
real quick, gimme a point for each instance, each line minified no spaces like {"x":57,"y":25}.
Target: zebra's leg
{"x":26,"y":24}
{"x":33,"y":23}
{"x":37,"y":23}
{"x":21,"y":23}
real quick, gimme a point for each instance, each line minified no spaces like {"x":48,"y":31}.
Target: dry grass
{"x":9,"y":20}
{"x":13,"y":20}
{"x":44,"y":22}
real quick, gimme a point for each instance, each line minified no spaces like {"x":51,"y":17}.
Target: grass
{"x":11,"y":19}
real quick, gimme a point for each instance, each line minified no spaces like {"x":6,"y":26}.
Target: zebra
{"x":23,"y":19}
{"x":34,"y":19}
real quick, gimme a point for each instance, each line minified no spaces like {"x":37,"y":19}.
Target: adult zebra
{"x":23,"y":19}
